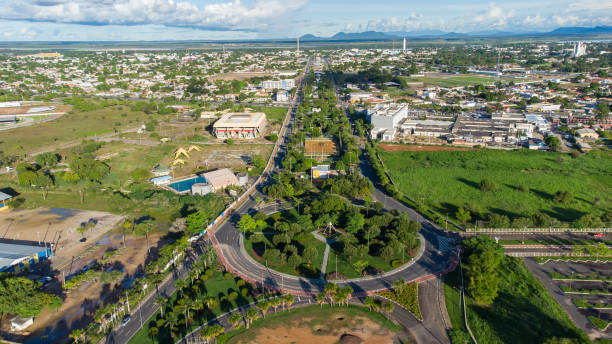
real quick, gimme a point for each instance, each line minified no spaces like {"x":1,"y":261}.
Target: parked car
{"x":598,"y":235}
{"x":126,"y":319}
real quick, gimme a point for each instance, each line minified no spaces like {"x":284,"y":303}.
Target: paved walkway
{"x":324,"y":264}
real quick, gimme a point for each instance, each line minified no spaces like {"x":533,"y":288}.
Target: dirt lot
{"x":82,"y":302}
{"x":319,"y":147}
{"x":417,"y":148}
{"x":57,"y":226}
{"x":307,"y":331}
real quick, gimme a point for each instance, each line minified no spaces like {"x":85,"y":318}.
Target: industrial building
{"x":3,"y":198}
{"x":240,"y":125}
{"x":385,"y":119}
{"x":16,"y":257}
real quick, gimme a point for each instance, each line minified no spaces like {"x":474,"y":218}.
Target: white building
{"x":240,"y":125}
{"x":385,"y":119}
{"x":285,"y":84}
{"x":579,"y":49}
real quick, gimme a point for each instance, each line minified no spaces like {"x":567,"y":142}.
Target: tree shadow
{"x":469,"y":183}
{"x":543,"y":194}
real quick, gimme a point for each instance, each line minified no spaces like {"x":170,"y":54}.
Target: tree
{"x":250,"y":315}
{"x":210,"y":332}
{"x":487,"y":185}
{"x":47,"y":159}
{"x":603,"y":111}
{"x":330,"y":290}
{"x":160,"y":301}
{"x":196,"y":222}
{"x":360,"y":265}
{"x":78,"y":335}
{"x":321,"y":299}
{"x":463,"y":215}
{"x":21,"y":296}
{"x":388,"y":307}
{"x":153,"y":332}
{"x":263,"y":306}
{"x":370,"y":302}
{"x":234,"y":319}
{"x":310,"y":254}
{"x":354,"y":222}
{"x":246,"y":224}
{"x":562,"y":196}
{"x":483,"y":258}
{"x":553,"y":143}
{"x":498,"y":221}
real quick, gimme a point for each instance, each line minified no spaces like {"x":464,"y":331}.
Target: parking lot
{"x":583,"y":289}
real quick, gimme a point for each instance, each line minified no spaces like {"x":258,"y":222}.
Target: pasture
{"x":525,"y":182}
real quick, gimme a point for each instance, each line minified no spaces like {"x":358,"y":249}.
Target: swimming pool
{"x":185,"y":185}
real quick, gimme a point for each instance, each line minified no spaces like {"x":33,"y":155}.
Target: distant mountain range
{"x":575,"y":31}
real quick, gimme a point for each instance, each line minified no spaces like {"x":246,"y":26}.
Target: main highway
{"x":229,"y":242}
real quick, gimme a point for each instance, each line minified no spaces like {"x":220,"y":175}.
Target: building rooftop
{"x":220,"y":178}
{"x":241,"y":120}
{"x":11,"y":254}
{"x":4,"y":196}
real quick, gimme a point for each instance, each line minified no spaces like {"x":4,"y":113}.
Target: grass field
{"x":309,"y":241}
{"x":72,"y":126}
{"x":523,"y":312}
{"x":313,"y":317}
{"x":454,"y":80}
{"x":448,"y":180}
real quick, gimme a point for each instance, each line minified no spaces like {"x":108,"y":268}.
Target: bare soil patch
{"x":338,"y":330}
{"x":418,"y":148}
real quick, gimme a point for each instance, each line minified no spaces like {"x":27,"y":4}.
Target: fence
{"x":536,"y":230}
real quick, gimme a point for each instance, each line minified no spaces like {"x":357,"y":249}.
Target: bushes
{"x":487,"y":185}
{"x":407,"y":297}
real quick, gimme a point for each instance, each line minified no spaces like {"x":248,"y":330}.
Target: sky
{"x":146,"y":20}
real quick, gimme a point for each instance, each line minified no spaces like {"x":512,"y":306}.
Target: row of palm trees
{"x":235,"y":319}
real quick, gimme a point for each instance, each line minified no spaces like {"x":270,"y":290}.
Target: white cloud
{"x":394,"y":23}
{"x":591,"y":5}
{"x":229,"y":15}
{"x":495,"y":16}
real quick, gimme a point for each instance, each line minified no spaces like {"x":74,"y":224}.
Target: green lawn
{"x":257,"y":249}
{"x":345,"y":267}
{"x":215,"y":286}
{"x":452,"y":297}
{"x":327,"y":319}
{"x":448,"y":180}
{"x":523,"y":312}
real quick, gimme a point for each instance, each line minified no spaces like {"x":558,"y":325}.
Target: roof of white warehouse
{"x":241,"y":120}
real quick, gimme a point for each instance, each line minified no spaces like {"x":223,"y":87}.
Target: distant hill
{"x":392,"y":35}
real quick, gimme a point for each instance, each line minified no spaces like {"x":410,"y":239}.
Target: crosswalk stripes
{"x":445,"y":244}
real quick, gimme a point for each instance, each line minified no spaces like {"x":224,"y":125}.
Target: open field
{"x":523,"y":312}
{"x":446,"y":181}
{"x":319,"y":325}
{"x":419,"y":148}
{"x":453,"y":80}
{"x":72,"y":126}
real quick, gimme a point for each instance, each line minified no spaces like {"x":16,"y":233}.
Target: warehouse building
{"x":385,"y":119}
{"x":240,"y":125}
{"x":16,"y":257}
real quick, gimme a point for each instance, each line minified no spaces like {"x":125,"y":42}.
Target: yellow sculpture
{"x":179,"y":152}
{"x":179,"y":161}
{"x":192,"y":148}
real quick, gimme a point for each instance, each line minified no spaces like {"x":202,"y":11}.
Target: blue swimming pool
{"x":185,"y":185}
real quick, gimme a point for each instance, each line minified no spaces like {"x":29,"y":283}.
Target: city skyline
{"x":126,"y":20}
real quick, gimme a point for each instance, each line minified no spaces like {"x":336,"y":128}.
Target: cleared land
{"x":319,"y":147}
{"x":523,"y":312}
{"x":453,"y":80}
{"x":320,"y":325}
{"x":446,"y":181}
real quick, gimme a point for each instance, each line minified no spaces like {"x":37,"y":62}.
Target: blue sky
{"x":82,"y":20}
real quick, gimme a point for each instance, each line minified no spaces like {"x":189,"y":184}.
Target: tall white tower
{"x":298,"y":45}
{"x":404,"y":44}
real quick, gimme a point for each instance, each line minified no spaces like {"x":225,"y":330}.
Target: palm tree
{"x":211,"y":303}
{"x":263,"y":306}
{"x":330,"y":289}
{"x":153,"y":332}
{"x":347,"y":294}
{"x":275,"y":302}
{"x":370,"y":302}
{"x":161,"y":301}
{"x":210,"y":332}
{"x":78,"y":335}
{"x":171,"y":322}
{"x":234,"y":319}
{"x":321,"y":299}
{"x":288,"y":300}
{"x":209,"y":257}
{"x":250,"y":315}
{"x":180,"y":284}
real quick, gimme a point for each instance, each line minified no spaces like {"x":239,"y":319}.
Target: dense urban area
{"x":408,"y":193}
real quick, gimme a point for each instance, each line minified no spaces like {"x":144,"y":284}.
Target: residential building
{"x":285,"y":84}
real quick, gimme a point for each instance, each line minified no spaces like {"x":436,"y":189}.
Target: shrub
{"x":244,"y":292}
{"x":487,"y":185}
{"x":227,"y":275}
{"x":563,"y":196}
